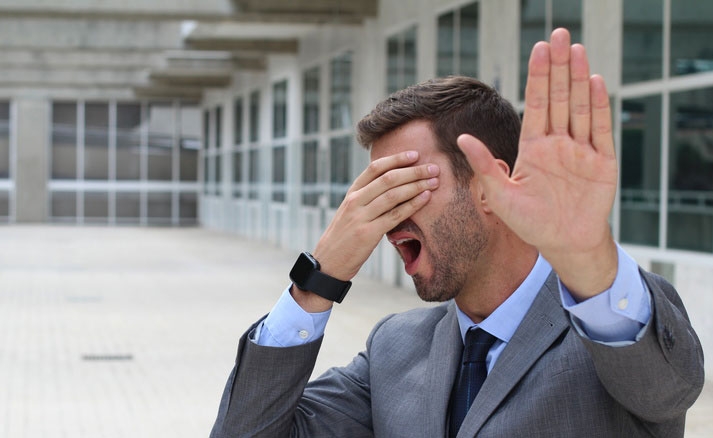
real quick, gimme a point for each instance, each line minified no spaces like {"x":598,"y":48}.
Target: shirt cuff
{"x":618,"y":316}
{"x":289,"y":325}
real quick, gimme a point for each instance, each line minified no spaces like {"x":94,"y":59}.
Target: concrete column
{"x":500,"y":46}
{"x":426,"y":41}
{"x":602,"y":36}
{"x":33,"y":134}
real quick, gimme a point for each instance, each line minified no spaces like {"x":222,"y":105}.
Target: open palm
{"x":561,"y":191}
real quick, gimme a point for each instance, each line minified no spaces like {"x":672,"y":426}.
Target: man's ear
{"x":483,"y":196}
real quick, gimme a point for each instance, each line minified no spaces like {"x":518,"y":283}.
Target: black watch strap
{"x":306,"y":275}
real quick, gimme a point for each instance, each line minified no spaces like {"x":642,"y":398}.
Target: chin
{"x":429,"y":292}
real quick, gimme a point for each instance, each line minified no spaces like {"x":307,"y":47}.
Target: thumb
{"x":493,"y":177}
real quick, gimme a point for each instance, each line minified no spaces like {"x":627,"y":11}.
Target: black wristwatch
{"x":305,"y":274}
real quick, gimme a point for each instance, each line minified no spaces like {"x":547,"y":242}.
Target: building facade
{"x":279,"y":149}
{"x":240,"y":114}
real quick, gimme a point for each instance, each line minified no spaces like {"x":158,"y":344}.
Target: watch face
{"x":303,"y":268}
{"x":305,"y":275}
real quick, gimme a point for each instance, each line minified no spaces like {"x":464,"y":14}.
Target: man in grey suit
{"x":582,"y":342}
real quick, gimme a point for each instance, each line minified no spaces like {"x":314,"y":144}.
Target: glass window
{"x":640,"y":170}
{"x":279,"y":173}
{"x":253,"y":173}
{"x":159,"y":207}
{"x":219,"y":146}
{"x":128,"y":141}
{"x":340,"y":92}
{"x":254,"y":122}
{"x":238,"y":174}
{"x":218,"y":174}
{"x":96,"y":206}
{"x":206,"y":146}
{"x":4,"y":205}
{"x":219,"y":127}
{"x":279,"y":110}
{"x":533,"y":28}
{"x":537,"y":20}
{"x":446,"y":44}
{"x":64,"y":205}
{"x":4,"y":140}
{"x":469,"y":40}
{"x":160,"y":147}
{"x":206,"y":131}
{"x":237,"y":156}
{"x":238,"y":120}
{"x":128,"y":207}
{"x":96,"y":141}
{"x":64,"y":140}
{"x":691,"y":36}
{"x":189,"y":142}
{"x":690,"y":203}
{"x":409,"y":64}
{"x":567,"y":14}
{"x":206,"y":174}
{"x":339,"y":165}
{"x":188,"y":208}
{"x":310,"y":188}
{"x":401,"y":62}
{"x":458,"y":42}
{"x":310,"y":110}
{"x":643,"y":40}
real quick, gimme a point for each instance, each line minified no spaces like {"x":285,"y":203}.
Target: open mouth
{"x":409,"y":247}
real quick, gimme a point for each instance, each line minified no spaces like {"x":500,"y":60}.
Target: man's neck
{"x":497,"y":280}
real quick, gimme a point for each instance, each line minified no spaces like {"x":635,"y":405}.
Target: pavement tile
{"x":131,"y":332}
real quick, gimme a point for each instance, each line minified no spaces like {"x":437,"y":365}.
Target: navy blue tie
{"x":471,"y":375}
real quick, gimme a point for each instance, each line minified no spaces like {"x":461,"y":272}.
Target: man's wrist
{"x":310,"y":301}
{"x":618,"y":314}
{"x":587,"y":274}
{"x":306,"y":275}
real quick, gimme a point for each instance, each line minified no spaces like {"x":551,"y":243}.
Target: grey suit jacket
{"x":548,"y":381}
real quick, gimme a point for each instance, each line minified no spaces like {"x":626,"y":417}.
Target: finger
{"x":398,"y":195}
{"x":602,"y":138}
{"x":395,"y":178}
{"x":400,"y":213}
{"x":534,"y":121}
{"x":382,"y":165}
{"x":580,"y":104}
{"x":559,"y":82}
{"x":495,"y":182}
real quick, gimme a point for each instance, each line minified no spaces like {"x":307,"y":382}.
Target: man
{"x":506,"y":245}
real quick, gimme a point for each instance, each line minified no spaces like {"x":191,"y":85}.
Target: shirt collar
{"x":506,"y":318}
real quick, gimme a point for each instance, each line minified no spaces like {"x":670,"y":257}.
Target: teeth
{"x":401,"y":241}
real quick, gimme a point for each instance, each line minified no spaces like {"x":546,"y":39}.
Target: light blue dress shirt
{"x":617,"y":316}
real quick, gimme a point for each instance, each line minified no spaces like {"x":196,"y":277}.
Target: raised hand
{"x":561,"y":191}
{"x":390,"y":190}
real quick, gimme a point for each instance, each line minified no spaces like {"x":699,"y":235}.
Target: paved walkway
{"x":131,"y":333}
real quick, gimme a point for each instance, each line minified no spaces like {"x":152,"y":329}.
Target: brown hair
{"x":453,"y":105}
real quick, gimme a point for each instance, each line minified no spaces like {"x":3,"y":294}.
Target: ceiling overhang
{"x":156,"y":49}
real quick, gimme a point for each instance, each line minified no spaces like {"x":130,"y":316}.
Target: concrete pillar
{"x":500,"y":46}
{"x":602,"y":36}
{"x":33,"y":134}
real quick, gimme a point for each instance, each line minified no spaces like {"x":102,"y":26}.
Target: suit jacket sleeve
{"x":265,"y":395}
{"x":660,"y":376}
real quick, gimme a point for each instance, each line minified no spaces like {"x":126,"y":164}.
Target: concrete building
{"x":103,"y":109}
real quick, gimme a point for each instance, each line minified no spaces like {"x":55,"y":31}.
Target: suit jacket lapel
{"x":443,"y":362}
{"x":542,"y":325}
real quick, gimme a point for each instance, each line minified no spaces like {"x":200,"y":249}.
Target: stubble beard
{"x":456,"y":243}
